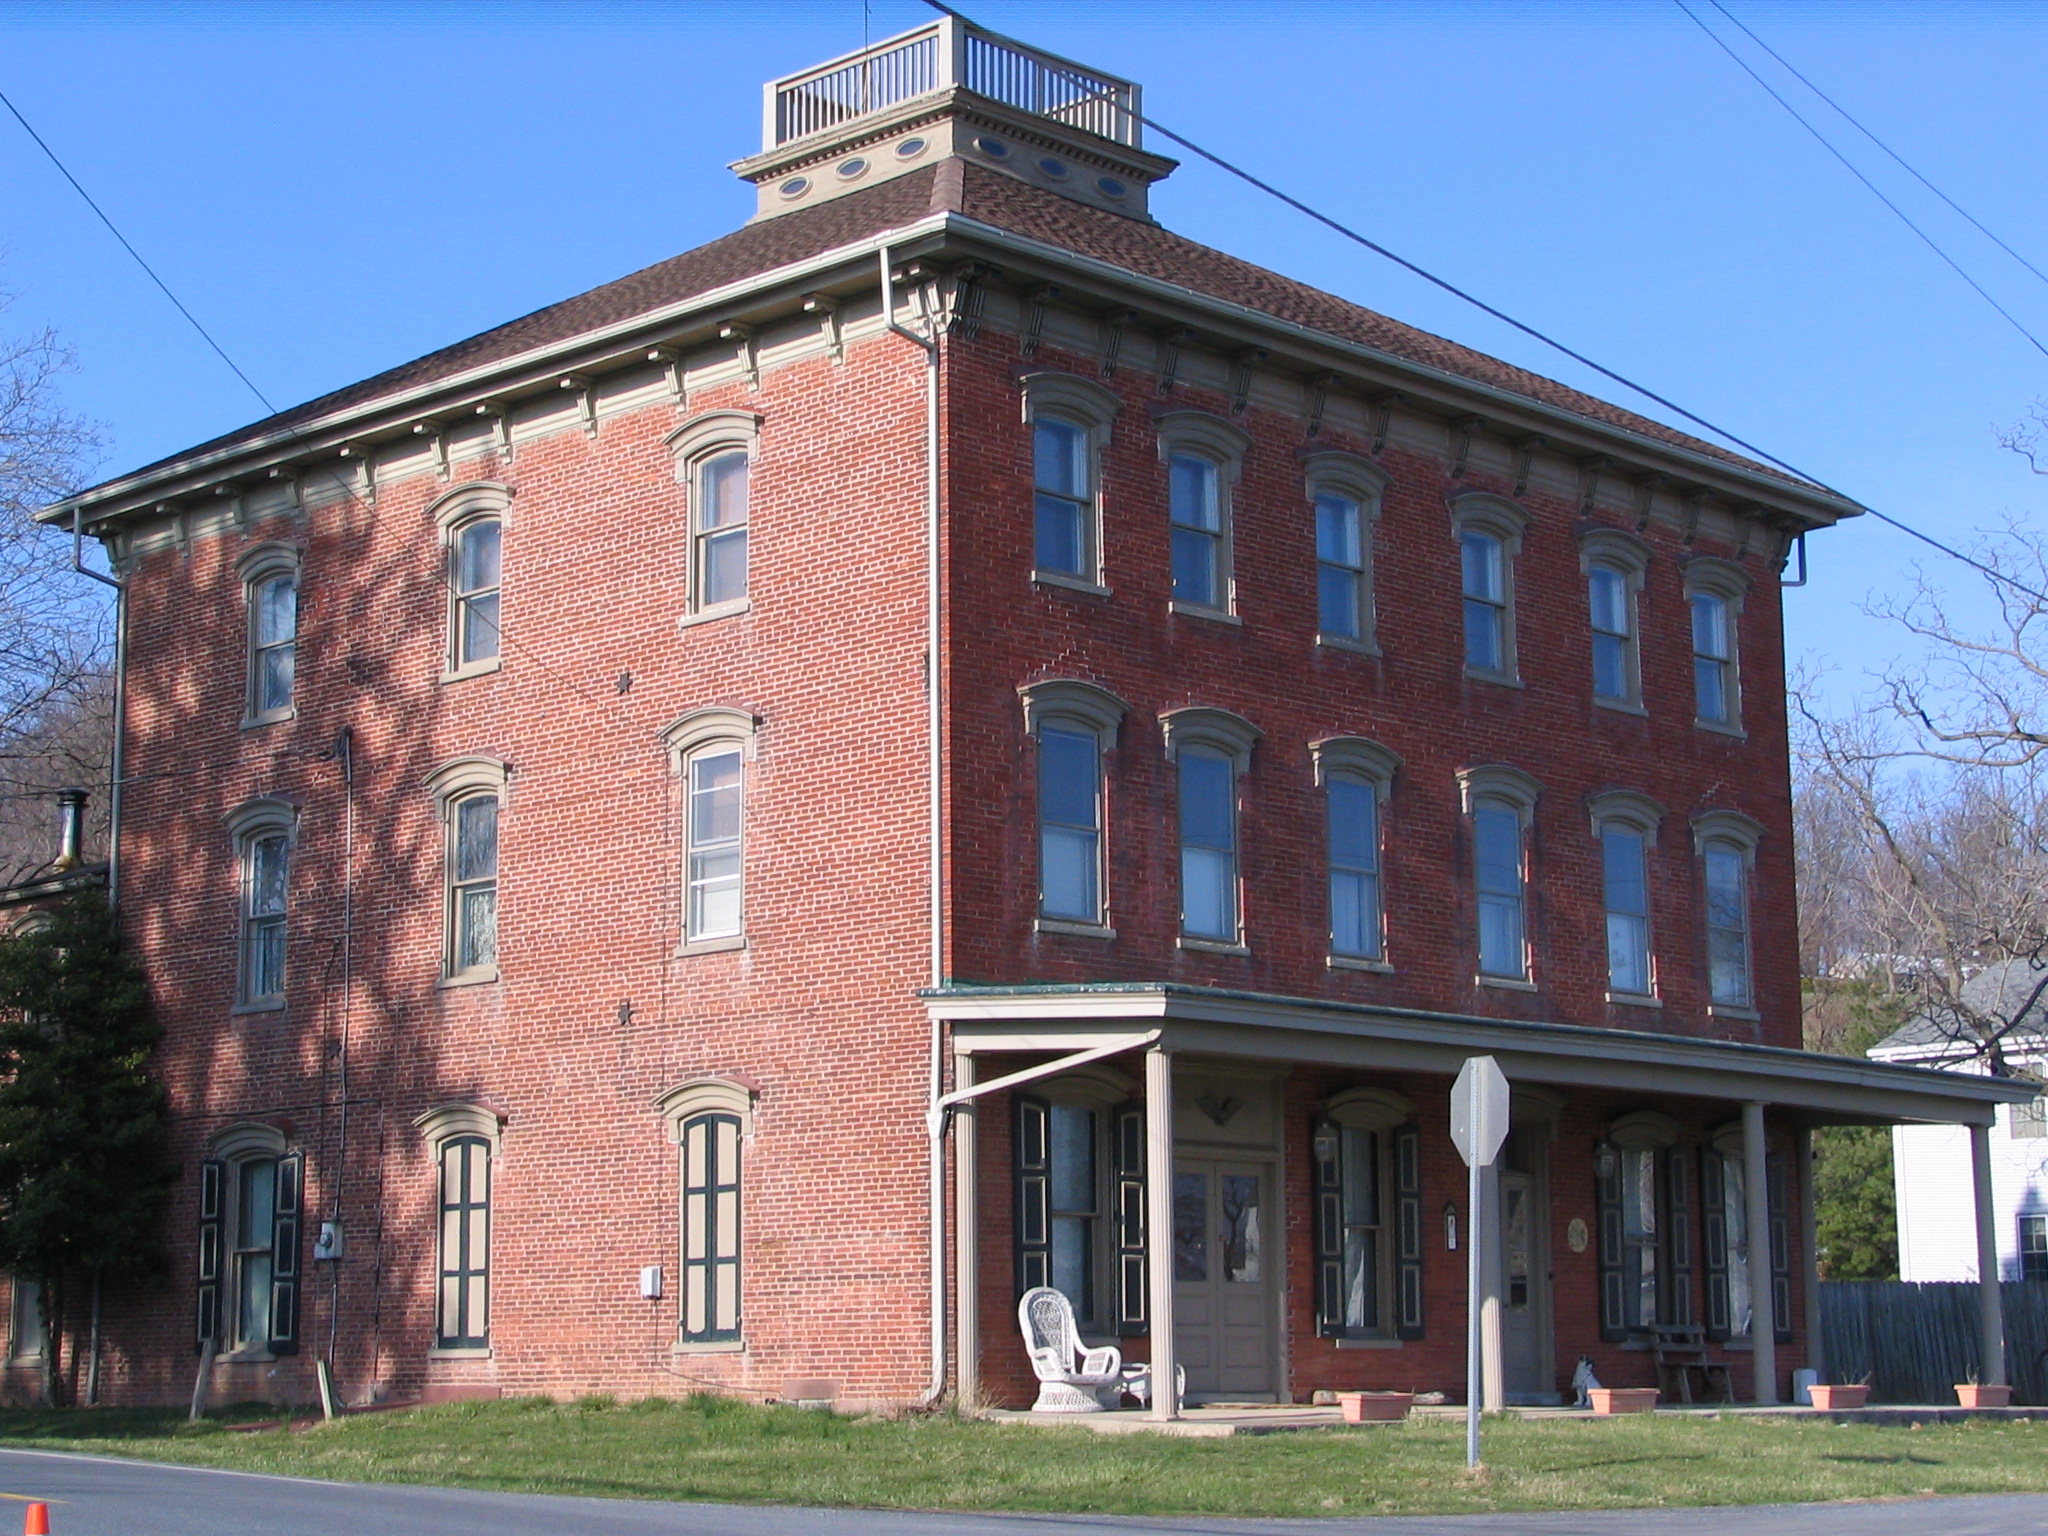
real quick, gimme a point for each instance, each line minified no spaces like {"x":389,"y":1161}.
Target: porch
{"x":1297,"y":1153}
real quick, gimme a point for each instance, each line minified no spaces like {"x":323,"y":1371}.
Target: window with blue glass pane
{"x":1208,"y":845}
{"x":1063,"y":536}
{"x":1355,"y":929}
{"x":1069,"y":824}
{"x":1628,"y":910}
{"x":1197,"y":514}
{"x":1497,"y":842}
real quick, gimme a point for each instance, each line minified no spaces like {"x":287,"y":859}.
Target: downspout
{"x":935,"y":1113}
{"x":116,"y":766}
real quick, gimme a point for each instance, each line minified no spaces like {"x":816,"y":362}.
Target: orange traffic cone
{"x":38,"y":1521}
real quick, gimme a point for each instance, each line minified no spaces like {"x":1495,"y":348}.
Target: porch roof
{"x":1215,"y":1021}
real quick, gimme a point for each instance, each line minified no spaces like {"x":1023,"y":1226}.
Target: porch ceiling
{"x":1215,"y":1022}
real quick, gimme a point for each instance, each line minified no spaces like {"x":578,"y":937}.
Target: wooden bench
{"x":1682,"y":1363}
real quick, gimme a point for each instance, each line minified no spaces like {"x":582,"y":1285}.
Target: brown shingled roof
{"x":991,"y":198}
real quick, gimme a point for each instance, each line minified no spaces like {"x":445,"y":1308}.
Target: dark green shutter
{"x":1714,"y":1239}
{"x":1133,"y":1316}
{"x":1328,"y":1173}
{"x":1034,"y":1192}
{"x":1408,"y":1217}
{"x":1781,"y":1247}
{"x":1676,"y":1299}
{"x":1611,"y":1251}
{"x":284,"y":1261}
{"x":213,"y":1175}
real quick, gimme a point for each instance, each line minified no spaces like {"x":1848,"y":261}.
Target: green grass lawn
{"x":716,"y":1449}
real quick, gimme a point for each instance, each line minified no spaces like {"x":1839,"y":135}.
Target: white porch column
{"x":1756,"y":1199}
{"x":1809,"y":1252}
{"x":1493,"y":1394}
{"x":1990,"y":1303}
{"x":966,"y":1242}
{"x":1159,"y":1226}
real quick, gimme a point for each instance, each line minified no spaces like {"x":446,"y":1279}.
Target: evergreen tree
{"x":84,"y":1171}
{"x":1855,"y":1203}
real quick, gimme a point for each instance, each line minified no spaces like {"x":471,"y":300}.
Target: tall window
{"x":1644,"y":1201}
{"x":1625,"y":881}
{"x":716,"y":792}
{"x":477,"y":546}
{"x":463,"y":1308}
{"x":1074,"y":1195}
{"x":1497,"y":859}
{"x":273,"y":643}
{"x":249,"y":1209}
{"x":719,"y":531}
{"x":1197,"y":511}
{"x":1208,"y":845}
{"x":1714,"y":590}
{"x":1063,"y":498}
{"x":1355,"y":922}
{"x":711,"y":1228}
{"x":2034,"y":1247}
{"x":1613,"y":634}
{"x":1080,"y":1200}
{"x":1639,"y":1224}
{"x":1069,"y":823}
{"x":1340,"y":567}
{"x":473,"y":884}
{"x":266,"y":867}
{"x":25,"y":1337}
{"x":1486,"y":602}
{"x":1366,"y":1171}
{"x":1727,"y":889}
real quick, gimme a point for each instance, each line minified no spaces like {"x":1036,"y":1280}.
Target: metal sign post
{"x":1479,"y":1124}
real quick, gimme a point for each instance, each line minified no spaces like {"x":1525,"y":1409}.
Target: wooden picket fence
{"x":1914,"y":1342}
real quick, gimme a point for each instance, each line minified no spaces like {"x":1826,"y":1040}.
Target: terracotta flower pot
{"x":1374,"y":1407}
{"x":1854,"y":1395}
{"x":1975,"y":1395}
{"x":1623,"y":1399}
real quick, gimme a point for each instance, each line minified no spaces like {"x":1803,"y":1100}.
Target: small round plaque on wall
{"x":1577,"y":1235}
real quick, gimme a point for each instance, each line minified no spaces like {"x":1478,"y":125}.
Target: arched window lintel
{"x":1357,"y":756}
{"x":463,"y":776}
{"x":449,"y":1122}
{"x":1074,"y":700}
{"x":712,"y":433}
{"x":263,"y":814}
{"x":706,"y":1096}
{"x":1727,"y":829}
{"x":1627,"y":808}
{"x":466,"y":503}
{"x":1219,"y":730}
{"x":1498,"y":781}
{"x":1332,"y":471}
{"x":712,"y":724}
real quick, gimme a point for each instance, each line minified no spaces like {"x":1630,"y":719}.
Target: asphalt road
{"x":100,"y":1496}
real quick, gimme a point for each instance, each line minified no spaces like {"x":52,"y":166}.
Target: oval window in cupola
{"x":995,"y":149}
{"x":910,"y":149}
{"x":1055,"y":169}
{"x":851,"y":170}
{"x":1109,"y":186}
{"x":795,"y":187}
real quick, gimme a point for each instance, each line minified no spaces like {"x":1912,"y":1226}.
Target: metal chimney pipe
{"x":71,"y":826}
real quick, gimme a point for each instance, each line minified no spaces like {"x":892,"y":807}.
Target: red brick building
{"x":714,"y":834}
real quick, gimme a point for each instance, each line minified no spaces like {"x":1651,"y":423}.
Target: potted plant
{"x":1843,"y":1395}
{"x":1622,"y":1399}
{"x":1983,"y":1394}
{"x":1374,"y":1407}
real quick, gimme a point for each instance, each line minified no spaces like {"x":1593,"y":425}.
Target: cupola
{"x":951,"y":91}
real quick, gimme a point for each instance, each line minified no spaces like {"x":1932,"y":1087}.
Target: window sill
{"x":1212,"y":946}
{"x":1369,"y":1343}
{"x":245,"y":1357}
{"x":709,"y":1347}
{"x":1358,"y":963}
{"x":1203,"y":611}
{"x":1730,"y":1011}
{"x":1622,"y":706}
{"x":712,"y":946}
{"x":472,"y":1353}
{"x":1350,"y":643}
{"x":713,"y":615}
{"x":272,"y":717}
{"x":1722,"y":728}
{"x":469,"y":979}
{"x":1635,"y":1000}
{"x":1073,"y":929}
{"x":274,"y":1005}
{"x":1506,"y":983}
{"x":1498,"y":679}
{"x":471,"y":669}
{"x":1067,"y":583}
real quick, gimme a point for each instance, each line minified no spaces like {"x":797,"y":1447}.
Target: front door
{"x":1225,"y":1252}
{"x":1525,"y":1293}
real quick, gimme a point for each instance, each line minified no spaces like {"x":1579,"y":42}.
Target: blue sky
{"x":335,"y":188}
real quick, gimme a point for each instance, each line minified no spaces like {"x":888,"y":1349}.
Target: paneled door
{"x":1225,"y":1258}
{"x":1525,"y":1291}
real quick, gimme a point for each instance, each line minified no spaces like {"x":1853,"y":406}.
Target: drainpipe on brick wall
{"x":116,"y":761}
{"x":935,"y":1114}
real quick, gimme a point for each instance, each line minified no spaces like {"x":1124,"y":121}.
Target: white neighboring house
{"x":1931,"y":1163}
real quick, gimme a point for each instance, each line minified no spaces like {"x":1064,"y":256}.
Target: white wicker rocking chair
{"x":1073,"y":1378}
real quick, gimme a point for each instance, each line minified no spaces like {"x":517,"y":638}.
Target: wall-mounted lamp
{"x":1325,"y":1145}
{"x":1451,"y":1226}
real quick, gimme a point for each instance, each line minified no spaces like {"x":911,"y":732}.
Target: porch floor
{"x":1221,"y":1420}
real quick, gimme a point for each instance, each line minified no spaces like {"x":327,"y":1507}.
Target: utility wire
{"x":205,"y":334}
{"x":1529,"y":330}
{"x":1791,"y":69}
{"x":1850,"y":166}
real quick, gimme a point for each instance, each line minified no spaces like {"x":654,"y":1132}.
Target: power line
{"x":1850,"y":166}
{"x":1880,"y":143}
{"x":1529,"y":330}
{"x":205,"y":334}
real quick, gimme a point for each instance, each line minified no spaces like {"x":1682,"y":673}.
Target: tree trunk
{"x":53,"y":1341}
{"x":92,"y":1364}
